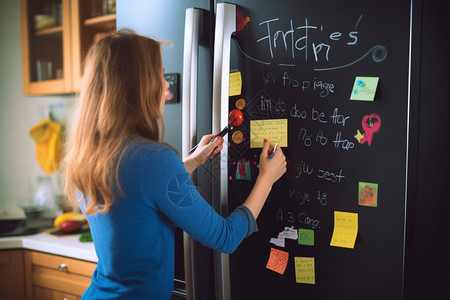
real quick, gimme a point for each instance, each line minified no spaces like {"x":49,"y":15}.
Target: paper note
{"x":277,"y":260}
{"x":287,"y":233}
{"x":235,"y":84}
{"x":364,"y":88}
{"x":306,"y":237}
{"x":243,"y":170}
{"x":275,"y":130}
{"x":368,"y":194}
{"x":304,"y":270}
{"x":280,"y":241}
{"x":345,"y":229}
{"x":290,"y":233}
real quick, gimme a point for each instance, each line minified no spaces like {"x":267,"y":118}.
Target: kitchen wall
{"x":18,"y":166}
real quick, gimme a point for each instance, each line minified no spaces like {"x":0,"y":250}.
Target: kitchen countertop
{"x":68,"y":245}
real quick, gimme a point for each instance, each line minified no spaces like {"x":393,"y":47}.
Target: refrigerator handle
{"x":225,"y":26}
{"x":189,"y":96}
{"x":189,"y":127}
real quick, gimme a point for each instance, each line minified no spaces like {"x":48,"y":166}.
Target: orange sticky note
{"x":277,"y":261}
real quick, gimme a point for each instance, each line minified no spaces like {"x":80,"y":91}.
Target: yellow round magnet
{"x":240,"y":104}
{"x":237,"y":137}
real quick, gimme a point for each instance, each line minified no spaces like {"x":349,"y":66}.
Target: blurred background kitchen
{"x":20,"y":170}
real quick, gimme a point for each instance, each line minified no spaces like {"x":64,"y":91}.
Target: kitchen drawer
{"x":48,"y":294}
{"x":57,"y":273}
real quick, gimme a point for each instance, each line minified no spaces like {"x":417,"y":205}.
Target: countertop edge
{"x":68,"y":246}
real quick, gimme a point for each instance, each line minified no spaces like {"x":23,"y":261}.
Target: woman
{"x":131,"y":186}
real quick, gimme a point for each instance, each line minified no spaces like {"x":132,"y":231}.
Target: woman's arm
{"x":270,"y":170}
{"x":172,"y":192}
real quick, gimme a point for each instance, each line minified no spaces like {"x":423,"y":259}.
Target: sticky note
{"x":364,"y":88}
{"x":275,"y":130}
{"x":368,"y":194}
{"x":345,"y":229}
{"x":305,"y":270}
{"x":277,"y":260}
{"x":235,"y":84}
{"x":243,"y":170}
{"x":306,"y":237}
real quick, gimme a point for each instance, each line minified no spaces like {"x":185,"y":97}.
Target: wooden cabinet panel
{"x":46,"y":52}
{"x":12,"y":284}
{"x":65,"y":277}
{"x":52,"y":57}
{"x":53,"y":262}
{"x":47,"y":294}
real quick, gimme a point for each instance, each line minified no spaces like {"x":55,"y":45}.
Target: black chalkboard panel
{"x":299,"y":61}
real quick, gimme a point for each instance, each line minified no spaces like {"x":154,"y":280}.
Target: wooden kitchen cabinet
{"x":51,"y":276}
{"x":46,"y":47}
{"x":12,"y":274}
{"x":48,"y":294}
{"x":55,"y":36}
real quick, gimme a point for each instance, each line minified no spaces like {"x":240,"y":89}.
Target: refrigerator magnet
{"x":243,"y":170}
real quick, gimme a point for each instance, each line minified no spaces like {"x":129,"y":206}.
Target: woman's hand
{"x":206,"y":149}
{"x":271,"y":169}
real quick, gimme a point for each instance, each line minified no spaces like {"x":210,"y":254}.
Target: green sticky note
{"x":368,"y":194}
{"x":306,"y":237}
{"x":364,"y":88}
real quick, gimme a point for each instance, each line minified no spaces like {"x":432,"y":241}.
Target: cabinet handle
{"x":62,"y":267}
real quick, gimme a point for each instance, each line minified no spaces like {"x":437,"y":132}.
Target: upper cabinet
{"x":46,"y":47}
{"x":56,"y":35}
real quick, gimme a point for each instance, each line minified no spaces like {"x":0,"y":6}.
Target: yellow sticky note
{"x":345,"y":229}
{"x":304,"y":270}
{"x":235,"y":84}
{"x":275,"y":130}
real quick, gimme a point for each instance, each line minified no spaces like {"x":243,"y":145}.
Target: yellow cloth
{"x":47,"y":135}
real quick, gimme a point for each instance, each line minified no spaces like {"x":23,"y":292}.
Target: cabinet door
{"x":48,"y":294}
{"x":61,"y":274}
{"x":91,"y":20}
{"x":12,"y":283}
{"x":46,"y":56}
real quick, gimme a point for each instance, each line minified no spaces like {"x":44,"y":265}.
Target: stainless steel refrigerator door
{"x":164,"y":20}
{"x":189,"y":127}
{"x":225,"y":26}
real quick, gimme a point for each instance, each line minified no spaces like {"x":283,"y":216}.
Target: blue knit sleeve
{"x":168,"y":188}
{"x":252,"y":226}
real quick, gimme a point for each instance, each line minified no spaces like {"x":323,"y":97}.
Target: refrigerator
{"x":344,"y":88}
{"x":186,"y":34}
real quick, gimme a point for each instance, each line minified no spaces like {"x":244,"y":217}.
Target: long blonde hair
{"x":121,"y":95}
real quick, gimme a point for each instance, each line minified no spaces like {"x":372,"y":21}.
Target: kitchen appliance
{"x":301,"y":64}
{"x":187,"y":26}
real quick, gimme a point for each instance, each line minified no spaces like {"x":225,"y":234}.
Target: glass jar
{"x":45,"y":194}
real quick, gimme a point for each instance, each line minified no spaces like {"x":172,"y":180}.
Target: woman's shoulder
{"x":150,"y":150}
{"x":151,"y":158}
